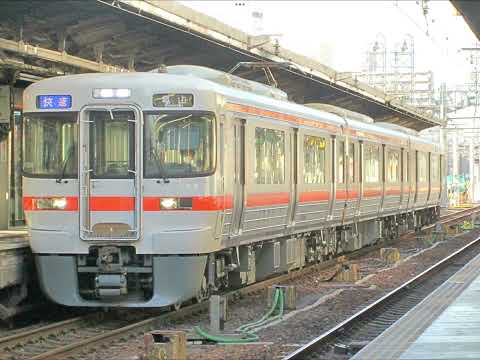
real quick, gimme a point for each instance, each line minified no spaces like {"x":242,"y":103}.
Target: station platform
{"x":13,"y":239}
{"x":445,"y":325}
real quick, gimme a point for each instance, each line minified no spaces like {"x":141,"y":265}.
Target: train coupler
{"x":107,"y":285}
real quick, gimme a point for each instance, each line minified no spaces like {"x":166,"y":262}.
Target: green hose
{"x":267,"y":315}
{"x":224,"y":339}
{"x":254,"y":327}
{"x":247,"y":331}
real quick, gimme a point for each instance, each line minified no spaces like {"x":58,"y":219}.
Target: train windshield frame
{"x":179,"y":144}
{"x":52,"y":147}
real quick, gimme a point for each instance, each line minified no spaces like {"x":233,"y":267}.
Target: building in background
{"x":393,"y":71}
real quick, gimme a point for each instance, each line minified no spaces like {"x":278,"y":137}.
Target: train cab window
{"x":179,"y":144}
{"x":51,"y":145}
{"x":372,"y":163}
{"x":393,"y":166}
{"x":314,"y":163}
{"x":351,"y":162}
{"x":341,"y":162}
{"x":422,"y":167}
{"x":269,"y":156}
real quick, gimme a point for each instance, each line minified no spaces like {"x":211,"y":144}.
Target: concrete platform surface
{"x":21,"y":232}
{"x":444,"y":326}
{"x":13,"y":239}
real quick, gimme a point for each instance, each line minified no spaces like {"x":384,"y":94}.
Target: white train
{"x":148,"y":189}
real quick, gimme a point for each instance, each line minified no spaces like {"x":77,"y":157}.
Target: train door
{"x":405,"y":179}
{"x":412,"y":176}
{"x":333,"y":176}
{"x":414,"y":182}
{"x":441,"y":177}
{"x":349,"y":194}
{"x":422,"y":179}
{"x":238,"y":175}
{"x":294,"y":174}
{"x":383,"y":177}
{"x":352,"y":179}
{"x":340,"y":178}
{"x":313,"y":181}
{"x":372,"y":179}
{"x":361,"y":181}
{"x":110,"y":173}
{"x":429,"y":177}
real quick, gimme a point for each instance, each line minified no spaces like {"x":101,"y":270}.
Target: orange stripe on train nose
{"x":112,"y":203}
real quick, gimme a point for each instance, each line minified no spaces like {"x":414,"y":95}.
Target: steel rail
{"x":74,"y":323}
{"x":447,"y":218}
{"x":151,"y":323}
{"x":333,"y":333}
{"x":71,"y":324}
{"x":15,"y":340}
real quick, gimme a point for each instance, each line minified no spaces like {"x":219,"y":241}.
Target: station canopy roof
{"x":470,"y":10}
{"x":46,"y":38}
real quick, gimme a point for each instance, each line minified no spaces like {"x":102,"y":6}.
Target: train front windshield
{"x":50,"y":145}
{"x":179,"y":144}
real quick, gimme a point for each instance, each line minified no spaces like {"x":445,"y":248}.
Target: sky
{"x":338,"y":33}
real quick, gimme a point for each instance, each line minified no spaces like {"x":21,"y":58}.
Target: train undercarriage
{"x":109,"y":273}
{"x":245,"y":265}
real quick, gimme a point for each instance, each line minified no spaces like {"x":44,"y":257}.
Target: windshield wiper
{"x":160,"y":167}
{"x":71,"y":150}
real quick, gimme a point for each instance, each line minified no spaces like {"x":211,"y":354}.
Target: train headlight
{"x":122,"y":93}
{"x":53,"y":203}
{"x":168,"y":203}
{"x":111,"y":93}
{"x":59,"y":203}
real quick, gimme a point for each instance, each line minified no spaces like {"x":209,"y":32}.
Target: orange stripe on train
{"x":313,"y":196}
{"x":266,"y":199}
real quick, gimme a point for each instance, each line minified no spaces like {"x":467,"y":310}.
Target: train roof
{"x":228,"y":80}
{"x":235,"y":89}
{"x":362,"y":124}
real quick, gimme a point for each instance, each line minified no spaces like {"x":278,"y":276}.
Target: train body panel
{"x":147,"y":189}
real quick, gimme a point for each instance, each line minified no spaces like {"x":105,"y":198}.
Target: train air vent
{"x":341,"y":112}
{"x":229,"y":80}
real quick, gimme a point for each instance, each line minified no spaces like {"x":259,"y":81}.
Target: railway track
{"x":81,"y":335}
{"x":39,"y":342}
{"x":352,"y":334}
{"x":84,"y":334}
{"x":447,"y":218}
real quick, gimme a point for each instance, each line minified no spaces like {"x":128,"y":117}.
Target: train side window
{"x":372,"y":163}
{"x":393,"y":166}
{"x":341,"y":162}
{"x":269,"y":156}
{"x":422,"y":166}
{"x":314,"y":160}
{"x":351,"y":162}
